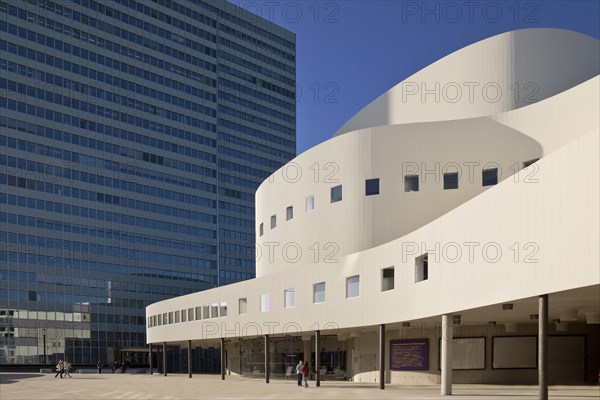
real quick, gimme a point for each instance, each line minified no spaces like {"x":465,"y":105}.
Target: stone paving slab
{"x":32,"y":386}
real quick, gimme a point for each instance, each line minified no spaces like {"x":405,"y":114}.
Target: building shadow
{"x":6,"y":378}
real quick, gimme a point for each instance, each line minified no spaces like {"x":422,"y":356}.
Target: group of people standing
{"x":119,"y":367}
{"x":303,"y":373}
{"x":63,"y":368}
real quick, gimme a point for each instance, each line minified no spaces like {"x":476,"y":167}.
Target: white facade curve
{"x":495,"y":75}
{"x":472,"y":214}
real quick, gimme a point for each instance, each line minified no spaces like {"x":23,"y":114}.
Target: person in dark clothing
{"x":99,"y":366}
{"x":60,"y":369}
{"x":305,"y":374}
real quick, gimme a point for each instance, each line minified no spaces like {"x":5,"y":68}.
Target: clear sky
{"x":351,"y":51}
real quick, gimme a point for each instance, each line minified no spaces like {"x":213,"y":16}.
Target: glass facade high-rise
{"x":133,"y":135}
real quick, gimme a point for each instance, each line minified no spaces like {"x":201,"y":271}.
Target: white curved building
{"x":447,"y":233}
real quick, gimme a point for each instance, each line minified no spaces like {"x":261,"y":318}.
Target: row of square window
{"x":352,"y":287}
{"x":217,"y":310}
{"x":411,"y":184}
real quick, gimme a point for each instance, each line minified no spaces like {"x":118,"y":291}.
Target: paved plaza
{"x":27,"y":386}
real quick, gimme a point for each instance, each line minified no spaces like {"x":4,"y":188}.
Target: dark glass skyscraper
{"x":133,"y":135}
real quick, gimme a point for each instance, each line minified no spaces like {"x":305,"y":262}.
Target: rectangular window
{"x":489,"y":177}
{"x":421,"y":268}
{"x":319,"y":292}
{"x":261,"y":229}
{"x":353,"y":286}
{"x":206,"y":312}
{"x":243,"y":306}
{"x":183,"y":315}
{"x":451,"y":180}
{"x":289,"y":213}
{"x":223,"y":308}
{"x":310,"y":203}
{"x":171,"y":317}
{"x":264,"y":302}
{"x":289,"y":298}
{"x":273,"y":221}
{"x":159,"y":319}
{"x":214,"y":310}
{"x":387,"y":279}
{"x":190,"y":314}
{"x":177,"y":317}
{"x":336,"y":194}
{"x":372,"y":187}
{"x":198,"y":313}
{"x":411,"y":183}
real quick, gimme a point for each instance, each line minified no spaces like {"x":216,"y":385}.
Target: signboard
{"x":409,"y":354}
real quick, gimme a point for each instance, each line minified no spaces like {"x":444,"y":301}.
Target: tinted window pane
{"x":489,"y":177}
{"x":310,"y":203}
{"x":451,"y":180}
{"x":319,"y":292}
{"x":336,"y":194}
{"x":372,"y":187}
{"x":411,"y":183}
{"x":353,"y":286}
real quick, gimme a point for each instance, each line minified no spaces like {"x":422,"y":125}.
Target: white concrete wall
{"x":498,"y":74}
{"x":558,"y":213}
{"x":543,"y":220}
{"x":359,"y":222}
{"x":560,"y":119}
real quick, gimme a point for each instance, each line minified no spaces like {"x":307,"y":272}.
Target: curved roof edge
{"x":502,"y":73}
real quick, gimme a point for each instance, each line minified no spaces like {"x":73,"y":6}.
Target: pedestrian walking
{"x":305,"y":373}
{"x":67,"y":369}
{"x":299,"y":372}
{"x":60,"y":368}
{"x":99,"y":366}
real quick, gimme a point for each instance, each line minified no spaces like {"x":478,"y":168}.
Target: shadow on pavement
{"x":12,"y":378}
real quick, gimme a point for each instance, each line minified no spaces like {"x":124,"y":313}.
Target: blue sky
{"x":351,"y":51}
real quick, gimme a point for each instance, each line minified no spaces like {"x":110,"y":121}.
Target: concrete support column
{"x":307,"y":356}
{"x":382,"y":356}
{"x":199,"y":352}
{"x":543,"y":347}
{"x":150,"y":359}
{"x":158,"y":360}
{"x":267,"y":361}
{"x":164,"y":357}
{"x":44,"y":343}
{"x":317,"y":358}
{"x":222,"y":359}
{"x":446,"y":361}
{"x":190,"y":359}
